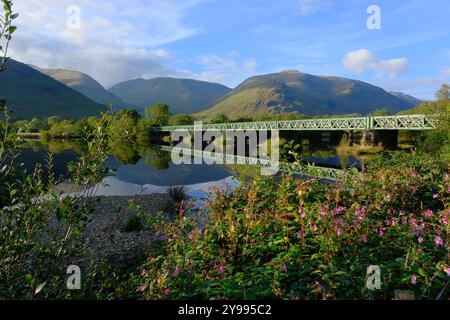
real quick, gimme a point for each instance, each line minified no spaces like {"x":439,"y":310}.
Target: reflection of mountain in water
{"x":144,"y":173}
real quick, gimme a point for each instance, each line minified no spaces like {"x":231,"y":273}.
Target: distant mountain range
{"x":37,"y":92}
{"x":293,"y":91}
{"x":182,"y":95}
{"x":30,"y":93}
{"x":86,"y":85}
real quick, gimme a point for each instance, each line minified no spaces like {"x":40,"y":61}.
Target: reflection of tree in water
{"x":57,"y":146}
{"x":344,"y":160}
{"x":125,"y":153}
{"x":157,"y":158}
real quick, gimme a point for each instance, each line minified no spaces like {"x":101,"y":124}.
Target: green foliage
{"x":181,"y":120}
{"x":443,"y":93}
{"x":219,"y":118}
{"x":124,"y":125}
{"x":158,"y":114}
{"x":301,"y":239}
{"x":53,"y":120}
{"x":380,"y":112}
{"x":133,"y":224}
{"x":31,"y":254}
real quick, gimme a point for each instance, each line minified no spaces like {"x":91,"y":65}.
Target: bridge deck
{"x":406,"y":122}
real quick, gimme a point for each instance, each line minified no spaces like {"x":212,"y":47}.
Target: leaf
{"x":40,"y":287}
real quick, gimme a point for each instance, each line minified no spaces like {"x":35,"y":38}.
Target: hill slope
{"x":30,"y":93}
{"x":293,"y":91}
{"x":182,"y":95}
{"x":84,"y":84}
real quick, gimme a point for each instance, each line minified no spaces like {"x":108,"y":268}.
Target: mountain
{"x":406,"y":97}
{"x":84,"y":84}
{"x":182,"y":95}
{"x":30,"y":93}
{"x":293,"y":91}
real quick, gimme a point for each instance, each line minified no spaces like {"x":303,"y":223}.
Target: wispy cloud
{"x":310,"y":7}
{"x":228,"y":69}
{"x":361,"y":60}
{"x":118,"y":40}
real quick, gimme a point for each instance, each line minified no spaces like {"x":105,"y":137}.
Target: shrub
{"x":297,"y":239}
{"x":178,"y":193}
{"x":133,"y":224}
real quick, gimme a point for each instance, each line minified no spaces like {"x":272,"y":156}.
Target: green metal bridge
{"x":307,"y":170}
{"x":405,"y":122}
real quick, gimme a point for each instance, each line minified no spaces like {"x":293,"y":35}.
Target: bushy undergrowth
{"x":294,"y":239}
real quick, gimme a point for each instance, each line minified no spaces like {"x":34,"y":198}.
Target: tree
{"x":443,"y":93}
{"x":181,"y":120}
{"x":158,"y":114}
{"x":380,"y":112}
{"x":54,"y":120}
{"x":123,"y":125}
{"x":37,"y":125}
{"x":6,"y":30}
{"x":219,"y":118}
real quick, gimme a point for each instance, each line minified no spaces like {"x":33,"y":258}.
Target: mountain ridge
{"x":294,"y":91}
{"x":30,"y":93}
{"x":182,"y":95}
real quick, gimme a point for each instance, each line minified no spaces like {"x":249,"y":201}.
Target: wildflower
{"x":435,"y":196}
{"x":221,"y":268}
{"x":323,"y":212}
{"x":414,"y":280}
{"x":447,"y":270}
{"x":144,"y":273}
{"x":444,"y":219}
{"x":299,"y":235}
{"x":420,"y":239}
{"x":167,"y":292}
{"x":365,"y":239}
{"x":438,"y":241}
{"x":428,"y":213}
{"x":283,"y":267}
{"x":318,"y":285}
{"x":177,"y":271}
{"x":207,"y":278}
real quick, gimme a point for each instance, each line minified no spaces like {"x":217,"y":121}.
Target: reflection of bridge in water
{"x":223,"y":158}
{"x":405,"y":122}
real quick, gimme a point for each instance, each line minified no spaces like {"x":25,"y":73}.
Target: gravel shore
{"x":105,"y":232}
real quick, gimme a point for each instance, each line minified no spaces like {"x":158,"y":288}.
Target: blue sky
{"x":229,"y":41}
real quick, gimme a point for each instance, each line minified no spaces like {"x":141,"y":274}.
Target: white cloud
{"x":229,"y":69}
{"x":310,"y":7}
{"x":445,"y":73}
{"x":361,"y":60}
{"x":117,"y":41}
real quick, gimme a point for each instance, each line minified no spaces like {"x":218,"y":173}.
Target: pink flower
{"x":167,"y":292}
{"x":144,"y":273}
{"x":365,"y":240}
{"x":444,"y":219}
{"x":438,"y":241}
{"x":283,"y":267}
{"x":420,"y":239}
{"x":207,"y":278}
{"x":428,"y":213}
{"x":447,"y":270}
{"x":414,"y":280}
{"x":301,"y":213}
{"x":318,"y":285}
{"x":177,"y":271}
{"x":221,"y":268}
{"x":323,"y":212}
{"x":298,"y":235}
{"x":435,"y":196}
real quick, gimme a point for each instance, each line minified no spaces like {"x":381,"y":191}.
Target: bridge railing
{"x":404,"y":122}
